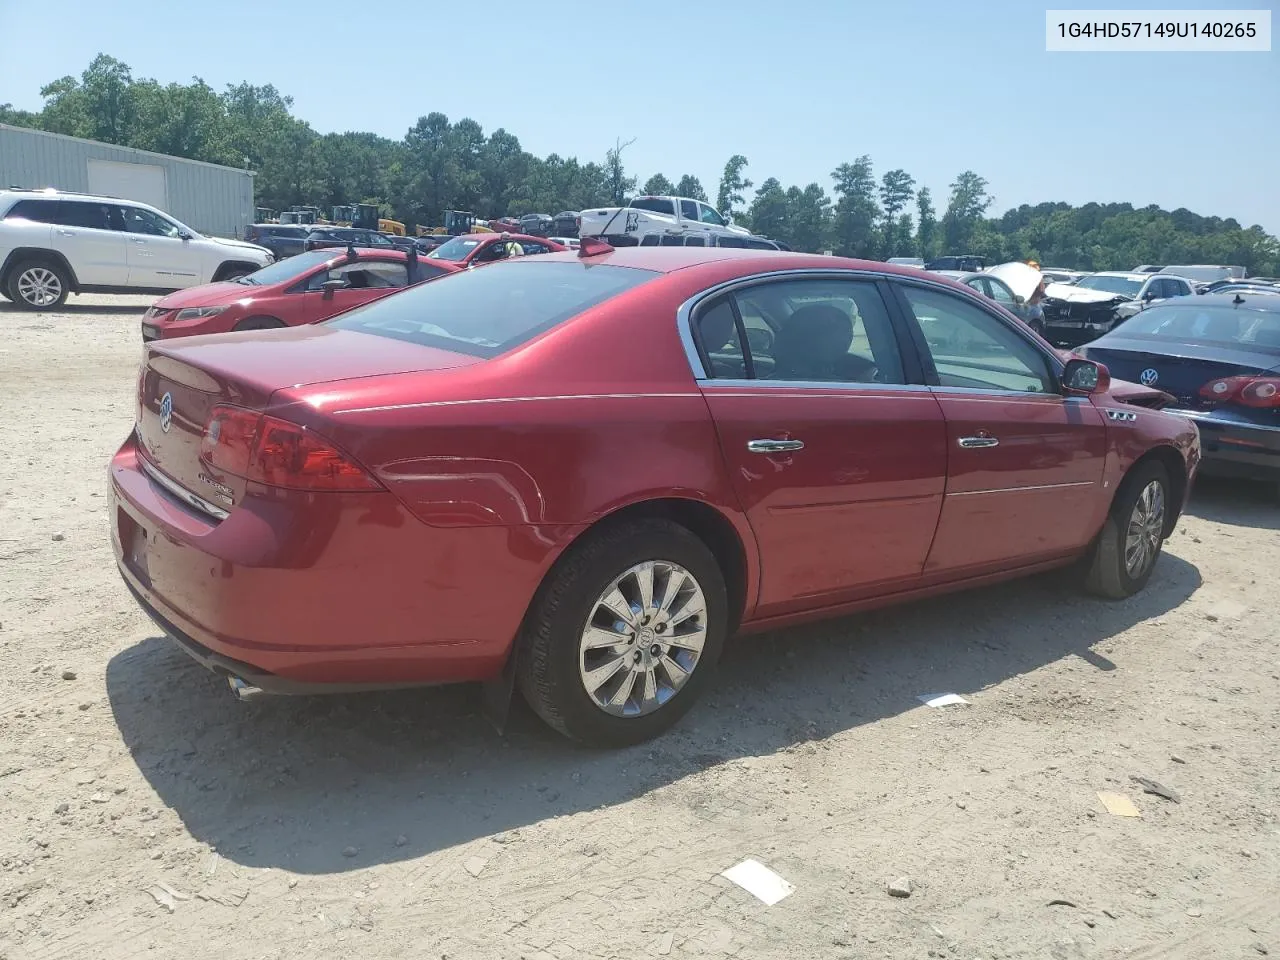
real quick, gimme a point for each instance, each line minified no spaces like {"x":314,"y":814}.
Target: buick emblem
{"x":1147,"y":377}
{"x":166,"y":411}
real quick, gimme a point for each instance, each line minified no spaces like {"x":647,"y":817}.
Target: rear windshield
{"x":287,"y":269}
{"x":491,"y":310}
{"x":1208,"y":323}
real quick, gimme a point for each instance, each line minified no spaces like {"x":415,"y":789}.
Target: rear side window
{"x":487,"y":312}
{"x":81,"y":213}
{"x":37,"y":211}
{"x":655,"y":205}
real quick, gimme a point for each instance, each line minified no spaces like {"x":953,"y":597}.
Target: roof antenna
{"x":351,"y":252}
{"x":593,"y":247}
{"x":1237,"y":300}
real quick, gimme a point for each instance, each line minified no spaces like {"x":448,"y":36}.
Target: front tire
{"x":38,"y":285}
{"x":624,"y":634}
{"x":1133,"y":535}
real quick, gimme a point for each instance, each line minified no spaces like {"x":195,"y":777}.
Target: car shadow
{"x":334,"y":783}
{"x":74,"y":308}
{"x":1240,"y":503}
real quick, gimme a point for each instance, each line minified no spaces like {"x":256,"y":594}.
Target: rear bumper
{"x":295,"y":591}
{"x":1232,"y":449}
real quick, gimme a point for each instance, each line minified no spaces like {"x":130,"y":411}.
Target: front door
{"x":838,"y":464}
{"x":1025,"y":463}
{"x":365,"y":279}
{"x":158,"y":257}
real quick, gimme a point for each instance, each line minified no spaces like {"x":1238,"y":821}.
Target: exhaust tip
{"x":243,"y":691}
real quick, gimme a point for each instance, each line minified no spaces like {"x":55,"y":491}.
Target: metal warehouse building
{"x":212,"y":199}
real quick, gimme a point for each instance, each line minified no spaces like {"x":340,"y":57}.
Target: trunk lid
{"x":196,"y":374}
{"x":1180,"y":369}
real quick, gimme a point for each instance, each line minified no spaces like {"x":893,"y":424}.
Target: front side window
{"x":707,"y":215}
{"x":137,"y":220}
{"x":364,"y":275}
{"x":972,"y":349}
{"x":1000,"y":293}
{"x":487,"y":312}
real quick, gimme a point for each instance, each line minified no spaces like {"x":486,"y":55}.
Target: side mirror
{"x":1149,"y":296}
{"x":331,"y":285}
{"x":1019,"y":299}
{"x":1081,"y":378}
{"x":183,"y":235}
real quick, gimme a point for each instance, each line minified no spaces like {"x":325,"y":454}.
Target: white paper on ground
{"x":941,"y":699}
{"x":759,"y":881}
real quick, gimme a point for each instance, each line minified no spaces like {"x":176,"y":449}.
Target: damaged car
{"x":1076,"y":313}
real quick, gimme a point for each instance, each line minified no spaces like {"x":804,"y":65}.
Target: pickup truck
{"x":656,"y":216}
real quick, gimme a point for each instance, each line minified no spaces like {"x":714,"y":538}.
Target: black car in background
{"x":283,"y":240}
{"x":1218,"y":355}
{"x":566,"y":223}
{"x":537,"y":225}
{"x":319,"y":238}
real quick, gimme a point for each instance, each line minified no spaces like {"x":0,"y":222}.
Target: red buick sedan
{"x":585,"y":472}
{"x":311,"y":286}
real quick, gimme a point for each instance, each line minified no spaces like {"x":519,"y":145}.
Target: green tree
{"x":809,"y":214}
{"x":897,"y":187}
{"x":770,"y":213}
{"x":856,"y":209}
{"x":617,"y":184}
{"x":732,"y":185}
{"x":690,"y":188}
{"x":658,"y":186}
{"x":926,"y":224}
{"x":969,"y":201}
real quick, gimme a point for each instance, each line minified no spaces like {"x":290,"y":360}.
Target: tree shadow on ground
{"x":291,"y":782}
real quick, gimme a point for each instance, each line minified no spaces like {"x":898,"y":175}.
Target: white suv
{"x":54,"y":243}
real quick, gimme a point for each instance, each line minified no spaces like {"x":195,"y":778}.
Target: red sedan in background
{"x":581,"y":474}
{"x":302,"y":289}
{"x":473,"y":249}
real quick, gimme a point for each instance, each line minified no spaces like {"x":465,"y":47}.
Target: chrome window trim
{"x":1207,"y":416}
{"x":684,"y":315}
{"x":182,"y":493}
{"x":834,"y":386}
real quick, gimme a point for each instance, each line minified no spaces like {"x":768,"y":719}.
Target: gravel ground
{"x":143,"y":812}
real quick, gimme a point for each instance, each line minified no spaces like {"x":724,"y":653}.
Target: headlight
{"x":198,"y":313}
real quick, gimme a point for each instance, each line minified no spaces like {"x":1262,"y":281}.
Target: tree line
{"x":441,"y":164}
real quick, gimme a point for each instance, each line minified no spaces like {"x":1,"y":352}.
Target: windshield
{"x":489,"y":311}
{"x":287,"y":269}
{"x":1120,"y":285}
{"x":1254,"y":329}
{"x":455,"y":250}
{"x":1203,"y":274}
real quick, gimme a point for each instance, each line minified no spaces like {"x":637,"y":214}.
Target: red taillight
{"x":1262,"y":392}
{"x":277,"y":453}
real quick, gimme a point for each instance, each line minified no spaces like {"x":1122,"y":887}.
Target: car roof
{"x":1261,"y":302}
{"x":1127,"y":274}
{"x":49,"y":193}
{"x":747,"y":261}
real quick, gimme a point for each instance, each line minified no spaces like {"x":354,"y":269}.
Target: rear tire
{"x":1132,"y":536}
{"x":258,"y":323}
{"x":652,"y":674}
{"x":38,"y":285}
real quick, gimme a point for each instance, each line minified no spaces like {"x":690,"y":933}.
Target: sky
{"x":797,"y":87}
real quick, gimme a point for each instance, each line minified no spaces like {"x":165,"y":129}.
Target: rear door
{"x":1025,"y":463}
{"x":838,"y":463}
{"x":90,"y":235}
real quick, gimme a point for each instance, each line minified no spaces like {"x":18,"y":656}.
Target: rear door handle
{"x":774,"y":446}
{"x":970,"y":443}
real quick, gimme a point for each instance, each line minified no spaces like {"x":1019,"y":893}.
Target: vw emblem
{"x":166,"y":411}
{"x":1147,"y":377}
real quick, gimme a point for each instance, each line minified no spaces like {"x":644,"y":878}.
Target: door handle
{"x":971,"y":443}
{"x":142,"y":242}
{"x":774,"y":446}
{"x":67,"y":233}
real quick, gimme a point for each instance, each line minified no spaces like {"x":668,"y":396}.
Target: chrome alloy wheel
{"x":643,"y":638}
{"x":39,"y":286}
{"x":1146,"y":529}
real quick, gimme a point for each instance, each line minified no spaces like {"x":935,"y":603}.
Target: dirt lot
{"x":402,"y":826}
